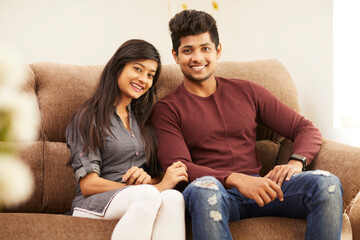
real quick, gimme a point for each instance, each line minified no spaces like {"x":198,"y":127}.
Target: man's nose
{"x":197,"y":56}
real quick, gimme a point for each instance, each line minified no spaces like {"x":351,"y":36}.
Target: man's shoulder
{"x":235,"y":83}
{"x":171,"y":99}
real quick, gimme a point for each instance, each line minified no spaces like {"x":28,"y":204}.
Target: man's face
{"x":197,"y":56}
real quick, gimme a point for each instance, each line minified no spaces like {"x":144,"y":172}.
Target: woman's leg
{"x":170,"y":221}
{"x":136,"y":207}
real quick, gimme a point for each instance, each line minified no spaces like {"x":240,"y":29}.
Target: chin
{"x":198,"y":79}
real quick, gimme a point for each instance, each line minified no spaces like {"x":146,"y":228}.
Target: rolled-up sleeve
{"x":81,"y":162}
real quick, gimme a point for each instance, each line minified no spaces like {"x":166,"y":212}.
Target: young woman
{"x":112,"y":147}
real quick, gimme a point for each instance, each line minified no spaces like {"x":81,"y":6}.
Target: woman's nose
{"x":143,"y":77}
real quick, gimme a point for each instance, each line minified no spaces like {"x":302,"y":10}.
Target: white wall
{"x":298,"y":33}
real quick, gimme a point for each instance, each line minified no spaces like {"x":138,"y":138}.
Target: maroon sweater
{"x":216,"y":135}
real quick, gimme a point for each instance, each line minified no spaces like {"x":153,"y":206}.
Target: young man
{"x":209,"y":123}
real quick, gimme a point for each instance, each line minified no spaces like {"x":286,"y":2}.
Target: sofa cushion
{"x":60,"y":90}
{"x":31,"y":153}
{"x":266,"y":152}
{"x":52,"y":226}
{"x":59,"y":180}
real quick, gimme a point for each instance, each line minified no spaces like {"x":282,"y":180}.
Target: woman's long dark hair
{"x":92,"y":119}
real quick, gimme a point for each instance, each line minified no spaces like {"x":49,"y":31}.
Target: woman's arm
{"x":174,"y":174}
{"x":92,"y":184}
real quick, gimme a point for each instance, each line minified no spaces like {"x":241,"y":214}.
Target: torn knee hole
{"x":215,"y":215}
{"x":321,"y":172}
{"x":206,"y":184}
{"x":212,"y":200}
{"x":332,"y":188}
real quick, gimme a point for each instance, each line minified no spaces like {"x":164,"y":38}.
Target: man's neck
{"x":203,"y":88}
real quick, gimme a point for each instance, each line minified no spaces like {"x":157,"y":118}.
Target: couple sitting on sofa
{"x":203,"y":135}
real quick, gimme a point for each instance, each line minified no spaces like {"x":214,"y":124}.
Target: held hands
{"x":284,"y":172}
{"x":174,"y":174}
{"x":136,"y":176}
{"x":261,"y":190}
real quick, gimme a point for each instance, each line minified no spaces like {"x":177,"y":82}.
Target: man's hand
{"x":136,"y":176}
{"x":261,"y":190}
{"x":284,"y":172}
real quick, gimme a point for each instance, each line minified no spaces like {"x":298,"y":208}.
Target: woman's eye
{"x":137,"y":69}
{"x":151,"y":76}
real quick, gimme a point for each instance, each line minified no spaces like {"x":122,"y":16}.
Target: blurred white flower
{"x":19,"y":121}
{"x":20,"y":116}
{"x":16,"y":181}
{"x":26,"y":120}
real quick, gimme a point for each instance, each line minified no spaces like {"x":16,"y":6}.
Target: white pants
{"x":145,"y":213}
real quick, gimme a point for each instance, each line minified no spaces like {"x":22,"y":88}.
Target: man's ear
{"x":175,"y":56}
{"x":218,"y":51}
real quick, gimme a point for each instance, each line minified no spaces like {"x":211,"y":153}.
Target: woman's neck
{"x":123,"y":112}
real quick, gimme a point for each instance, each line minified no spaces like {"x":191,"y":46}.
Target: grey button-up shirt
{"x":119,"y":154}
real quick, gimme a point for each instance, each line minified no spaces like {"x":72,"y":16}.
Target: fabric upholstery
{"x":31,"y":154}
{"x":59,"y":180}
{"x":62,"y":88}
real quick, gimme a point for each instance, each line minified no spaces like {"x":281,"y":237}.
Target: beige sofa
{"x":60,"y":89}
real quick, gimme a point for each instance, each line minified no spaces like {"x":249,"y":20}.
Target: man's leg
{"x":210,"y":207}
{"x":316,"y":195}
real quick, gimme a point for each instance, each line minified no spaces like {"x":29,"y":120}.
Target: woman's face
{"x":136,"y":78}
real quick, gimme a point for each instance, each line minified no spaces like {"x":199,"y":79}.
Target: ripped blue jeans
{"x":314,"y":195}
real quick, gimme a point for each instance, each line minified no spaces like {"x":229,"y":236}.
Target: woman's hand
{"x":136,"y":176}
{"x":174,"y":174}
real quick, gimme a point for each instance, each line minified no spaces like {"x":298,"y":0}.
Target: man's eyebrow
{"x":201,"y":45}
{"x":142,"y":65}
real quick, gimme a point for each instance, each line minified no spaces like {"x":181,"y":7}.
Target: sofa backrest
{"x":61,"y":89}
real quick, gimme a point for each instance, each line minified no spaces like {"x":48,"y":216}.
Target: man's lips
{"x":198,"y":68}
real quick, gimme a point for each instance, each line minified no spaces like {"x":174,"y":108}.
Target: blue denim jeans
{"x":314,"y":195}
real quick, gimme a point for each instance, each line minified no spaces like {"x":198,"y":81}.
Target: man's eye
{"x":186,"y":51}
{"x":206,"y":49}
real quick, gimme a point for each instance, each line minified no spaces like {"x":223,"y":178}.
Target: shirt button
{"x":137,"y":153}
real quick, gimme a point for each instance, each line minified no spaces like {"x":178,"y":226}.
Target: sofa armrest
{"x":343,"y":161}
{"x":353,"y":212}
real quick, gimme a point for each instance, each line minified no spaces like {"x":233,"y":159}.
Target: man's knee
{"x":328,"y":185}
{"x":205,"y":191}
{"x":202,"y":185}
